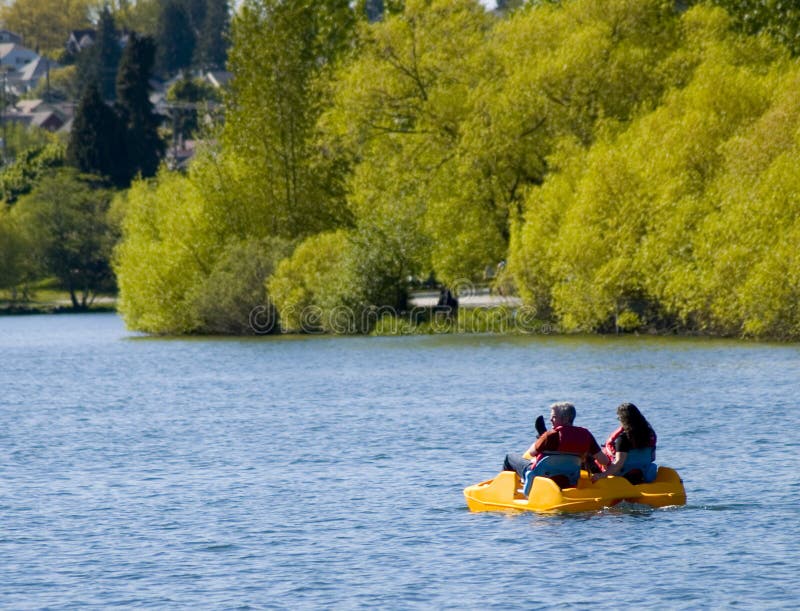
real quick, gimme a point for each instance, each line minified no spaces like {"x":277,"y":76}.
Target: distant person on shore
{"x":447,"y":304}
{"x":633,"y":435}
{"x":564,"y":438}
{"x":499,"y":279}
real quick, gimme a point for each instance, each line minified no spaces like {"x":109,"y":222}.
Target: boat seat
{"x":639,"y":466}
{"x":564,"y":469}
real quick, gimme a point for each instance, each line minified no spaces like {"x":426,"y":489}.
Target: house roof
{"x":9,"y":36}
{"x":37,"y":68}
{"x":10,"y":47}
{"x":29,"y":106}
{"x":218,"y":78}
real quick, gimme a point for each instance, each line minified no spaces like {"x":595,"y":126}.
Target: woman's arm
{"x":614,"y":468}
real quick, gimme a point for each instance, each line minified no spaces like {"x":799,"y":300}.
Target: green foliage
{"x":281,"y":56}
{"x":94,"y":143}
{"x":778,"y":18}
{"x":143,"y":146}
{"x":19,"y":177}
{"x":164,"y":254}
{"x":65,"y":221}
{"x":140,"y":16}
{"x":193,"y":246}
{"x":309,"y":284}
{"x":175,"y":38}
{"x":211,"y":49}
{"x":635,"y":166}
{"x":669,"y":223}
{"x":45,"y":24}
{"x":397,"y":115}
{"x":232,"y":299}
{"x":16,"y":265}
{"x":98,"y":63}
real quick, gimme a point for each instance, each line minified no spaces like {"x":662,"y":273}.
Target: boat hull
{"x":502,"y":493}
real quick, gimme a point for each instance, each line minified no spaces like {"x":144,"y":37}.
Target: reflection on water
{"x":327,"y":472}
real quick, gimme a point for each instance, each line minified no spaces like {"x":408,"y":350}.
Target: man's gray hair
{"x":564,"y":411}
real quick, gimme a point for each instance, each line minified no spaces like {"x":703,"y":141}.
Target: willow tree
{"x":198,"y":248}
{"x":282,"y":55}
{"x":638,"y":228}
{"x":397,"y":116}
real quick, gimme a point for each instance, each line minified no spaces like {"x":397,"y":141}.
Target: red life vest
{"x":574,"y":439}
{"x":610,"y":448}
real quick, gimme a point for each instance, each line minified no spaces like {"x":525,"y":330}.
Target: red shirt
{"x":568,"y":438}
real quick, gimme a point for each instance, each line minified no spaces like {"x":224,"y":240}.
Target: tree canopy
{"x":631,"y":162}
{"x":46,"y":24}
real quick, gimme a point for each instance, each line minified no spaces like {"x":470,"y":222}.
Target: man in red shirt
{"x":563,"y":438}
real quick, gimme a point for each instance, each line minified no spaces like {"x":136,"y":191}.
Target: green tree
{"x":45,"y":24}
{"x":94,"y":143}
{"x":211,"y":50}
{"x":19,"y":177}
{"x":233,"y":300}
{"x":65,"y":217}
{"x":139,"y":122}
{"x":778,"y":18}
{"x":175,"y":38}
{"x":281,"y":58}
{"x":15,"y":260}
{"x":99,"y":62}
{"x":140,"y":16}
{"x":398,"y":114}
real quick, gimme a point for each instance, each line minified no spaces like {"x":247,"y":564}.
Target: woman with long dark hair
{"x":632,"y":447}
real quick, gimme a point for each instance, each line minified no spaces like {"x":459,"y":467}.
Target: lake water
{"x":319,"y":472}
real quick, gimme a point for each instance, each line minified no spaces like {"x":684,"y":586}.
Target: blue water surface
{"x":315,"y":472}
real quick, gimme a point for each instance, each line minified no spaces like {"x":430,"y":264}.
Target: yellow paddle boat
{"x":506,"y":492}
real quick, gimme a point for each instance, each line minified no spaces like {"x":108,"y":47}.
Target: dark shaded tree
{"x":196,"y":10}
{"x":95,"y":145}
{"x":781,"y":20}
{"x":139,"y":123}
{"x":175,"y":39}
{"x":211,"y":49}
{"x":99,"y":62}
{"x":66,"y":222}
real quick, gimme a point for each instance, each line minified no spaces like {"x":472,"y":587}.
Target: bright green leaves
{"x":636,"y":167}
{"x":677,"y":219}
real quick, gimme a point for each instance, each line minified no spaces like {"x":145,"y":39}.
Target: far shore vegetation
{"x":614,"y":165}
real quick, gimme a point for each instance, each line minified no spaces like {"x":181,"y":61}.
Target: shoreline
{"x":478,"y":314}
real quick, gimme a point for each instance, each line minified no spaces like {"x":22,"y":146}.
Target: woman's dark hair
{"x":635,"y":425}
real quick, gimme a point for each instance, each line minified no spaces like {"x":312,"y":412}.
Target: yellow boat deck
{"x":503,"y":492}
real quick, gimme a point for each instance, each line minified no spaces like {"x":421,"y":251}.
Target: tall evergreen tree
{"x":139,"y":122}
{"x":99,"y":62}
{"x":196,"y":10}
{"x":94,"y":145}
{"x":175,"y":39}
{"x":211,"y":50}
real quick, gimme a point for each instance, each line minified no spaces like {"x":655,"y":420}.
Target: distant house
{"x":8,"y":36}
{"x":38,"y":113}
{"x":33,"y":72}
{"x":79,"y":40}
{"x":217,"y":78}
{"x":13,"y":56}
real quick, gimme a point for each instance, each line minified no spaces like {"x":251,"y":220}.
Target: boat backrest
{"x":564,"y":468}
{"x":641,"y":460}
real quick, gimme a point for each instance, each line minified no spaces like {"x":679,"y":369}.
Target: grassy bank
{"x":50,"y":301}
